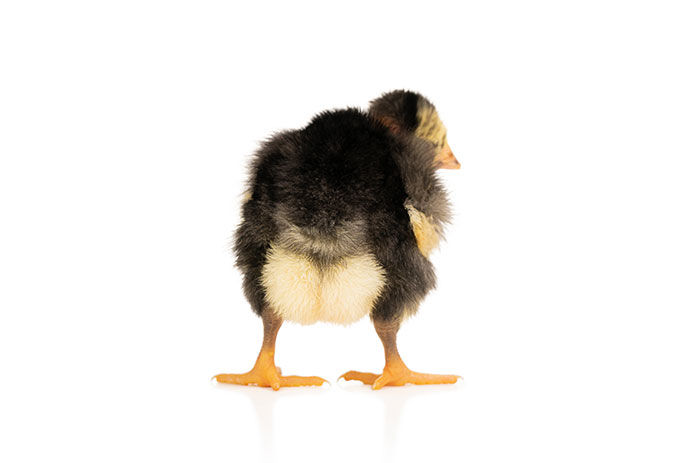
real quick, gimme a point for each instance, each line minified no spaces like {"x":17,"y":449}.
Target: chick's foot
{"x":398,"y":375}
{"x":266,"y":374}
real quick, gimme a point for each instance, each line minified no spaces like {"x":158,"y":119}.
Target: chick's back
{"x":327,"y":213}
{"x":340,"y":169}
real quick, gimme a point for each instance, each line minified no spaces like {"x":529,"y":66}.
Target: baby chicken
{"x":338,"y":223}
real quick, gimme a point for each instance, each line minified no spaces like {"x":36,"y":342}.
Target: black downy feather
{"x":346,"y":178}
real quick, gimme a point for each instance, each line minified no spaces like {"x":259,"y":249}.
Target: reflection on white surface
{"x":394,"y":400}
{"x":384,"y":421}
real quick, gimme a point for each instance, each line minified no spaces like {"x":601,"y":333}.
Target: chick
{"x":338,"y":223}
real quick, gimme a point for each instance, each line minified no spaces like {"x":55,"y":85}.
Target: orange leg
{"x":395,"y":373}
{"x":264,"y":372}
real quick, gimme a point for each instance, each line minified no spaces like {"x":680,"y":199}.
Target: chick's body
{"x":338,"y":222}
{"x":327,"y":231}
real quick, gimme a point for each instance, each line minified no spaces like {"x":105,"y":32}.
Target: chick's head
{"x":410,"y":114}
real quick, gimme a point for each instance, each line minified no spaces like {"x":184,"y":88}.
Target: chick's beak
{"x":446,"y":160}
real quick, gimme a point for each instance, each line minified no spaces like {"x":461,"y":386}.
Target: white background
{"x":565,"y":288}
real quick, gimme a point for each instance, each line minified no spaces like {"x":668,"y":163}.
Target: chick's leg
{"x":395,"y":373}
{"x":264,"y":372}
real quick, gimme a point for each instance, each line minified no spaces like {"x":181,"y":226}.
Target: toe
{"x":380,"y":382}
{"x":389,"y":378}
{"x":366,"y":378}
{"x":292,"y":381}
{"x":425,"y":378}
{"x":232,"y":379}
